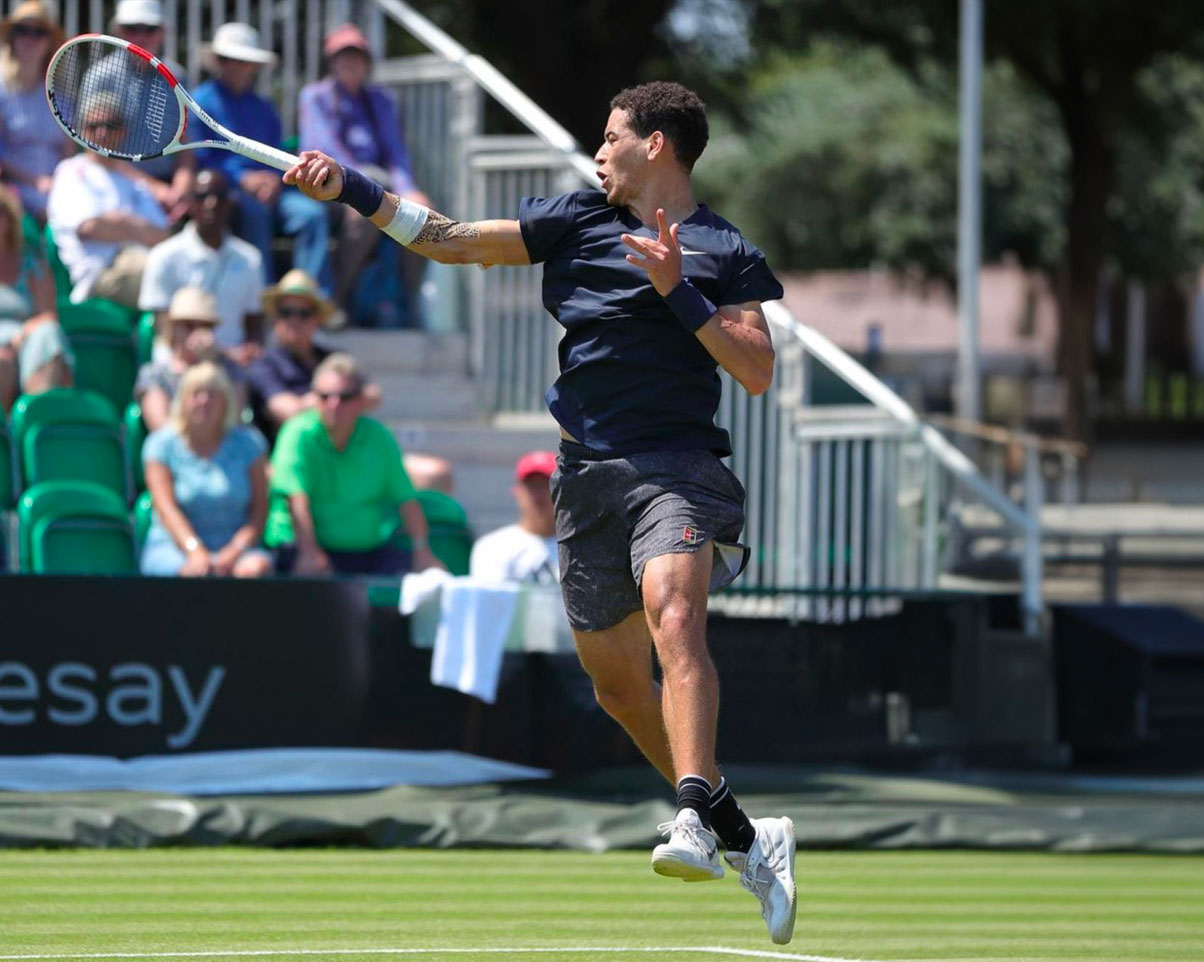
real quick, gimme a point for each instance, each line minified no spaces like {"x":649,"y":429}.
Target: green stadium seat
{"x":10,"y":475}
{"x":143,"y":510}
{"x":135,"y":434}
{"x":70,"y":434}
{"x":75,"y":527}
{"x":95,"y":312}
{"x":10,"y":484}
{"x":106,"y":353}
{"x":146,"y":337}
{"x":450,"y":536}
{"x":62,"y":277}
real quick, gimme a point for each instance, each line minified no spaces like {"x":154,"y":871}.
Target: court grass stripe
{"x":481,"y":950}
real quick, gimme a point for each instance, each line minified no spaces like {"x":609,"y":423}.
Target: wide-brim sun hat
{"x":236,"y":41}
{"x":32,"y":12}
{"x":195,"y":305}
{"x":297,"y":283}
{"x":138,"y":13}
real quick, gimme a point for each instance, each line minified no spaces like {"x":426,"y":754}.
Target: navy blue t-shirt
{"x":632,"y":378}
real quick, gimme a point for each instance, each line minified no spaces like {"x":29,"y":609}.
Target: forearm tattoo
{"x":439,"y":227}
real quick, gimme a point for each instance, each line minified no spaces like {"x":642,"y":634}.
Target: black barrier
{"x":137,"y":666}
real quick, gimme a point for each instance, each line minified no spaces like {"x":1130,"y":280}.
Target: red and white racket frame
{"x":281,"y":160}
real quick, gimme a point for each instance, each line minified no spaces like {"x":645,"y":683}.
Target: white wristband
{"x":407,"y":222}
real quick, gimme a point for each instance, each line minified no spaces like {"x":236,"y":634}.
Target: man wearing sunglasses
{"x":206,"y":254}
{"x":140,"y":22}
{"x":340,"y":495}
{"x":103,"y":220}
{"x":281,"y":379}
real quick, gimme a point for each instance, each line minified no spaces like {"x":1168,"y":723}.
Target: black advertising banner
{"x":141,"y":666}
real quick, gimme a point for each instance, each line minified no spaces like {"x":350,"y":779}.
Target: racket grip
{"x":280,"y":159}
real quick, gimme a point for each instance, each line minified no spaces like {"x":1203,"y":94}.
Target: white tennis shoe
{"x":768,"y":872}
{"x":691,"y":853}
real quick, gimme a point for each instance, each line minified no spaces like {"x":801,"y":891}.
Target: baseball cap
{"x":535,"y":462}
{"x":346,"y":37}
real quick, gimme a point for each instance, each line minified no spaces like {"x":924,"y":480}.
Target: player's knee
{"x":679,"y":623}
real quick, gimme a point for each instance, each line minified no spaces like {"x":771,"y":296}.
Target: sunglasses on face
{"x":140,"y":28}
{"x":295,"y":313}
{"x":219,"y":195}
{"x":342,"y":396}
{"x":28,"y":30}
{"x":113,"y":125}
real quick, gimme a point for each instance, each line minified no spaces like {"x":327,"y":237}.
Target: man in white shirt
{"x":205,"y":254}
{"x":525,"y":551}
{"x":103,"y":220}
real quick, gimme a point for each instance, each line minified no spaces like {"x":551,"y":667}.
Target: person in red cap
{"x":526,"y":550}
{"x":357,"y":123}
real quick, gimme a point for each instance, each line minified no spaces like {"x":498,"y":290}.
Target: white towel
{"x":421,"y":587}
{"x":474,"y":620}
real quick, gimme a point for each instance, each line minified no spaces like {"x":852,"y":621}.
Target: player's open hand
{"x":316,"y":175}
{"x":661,"y":257}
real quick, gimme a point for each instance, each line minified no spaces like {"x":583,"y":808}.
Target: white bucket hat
{"x":139,"y":13}
{"x":239,"y":41}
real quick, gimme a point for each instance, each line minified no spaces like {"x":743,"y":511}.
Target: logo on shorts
{"x":690,"y":535}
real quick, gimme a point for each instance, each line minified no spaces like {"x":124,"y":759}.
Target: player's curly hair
{"x":674,"y":110}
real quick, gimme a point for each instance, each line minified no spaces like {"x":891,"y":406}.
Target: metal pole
{"x":969,"y":212}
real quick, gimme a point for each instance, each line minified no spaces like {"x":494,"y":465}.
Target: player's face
{"x":622,"y":160}
{"x":146,"y":35}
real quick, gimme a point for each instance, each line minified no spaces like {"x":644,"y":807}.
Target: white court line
{"x":278,"y":953}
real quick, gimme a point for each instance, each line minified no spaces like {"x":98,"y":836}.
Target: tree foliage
{"x":842,"y":159}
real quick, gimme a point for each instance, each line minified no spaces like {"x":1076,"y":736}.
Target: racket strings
{"x":113,"y":100}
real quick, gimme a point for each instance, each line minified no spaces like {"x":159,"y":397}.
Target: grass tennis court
{"x":256,"y":903}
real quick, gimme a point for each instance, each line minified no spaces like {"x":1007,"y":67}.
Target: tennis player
{"x":654,"y":291}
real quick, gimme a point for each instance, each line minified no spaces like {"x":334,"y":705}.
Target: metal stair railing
{"x":811,"y":533}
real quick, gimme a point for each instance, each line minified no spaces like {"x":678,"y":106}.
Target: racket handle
{"x":280,"y":159}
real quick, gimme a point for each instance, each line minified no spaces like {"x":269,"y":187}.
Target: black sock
{"x":694,"y":791}
{"x":728,"y":820}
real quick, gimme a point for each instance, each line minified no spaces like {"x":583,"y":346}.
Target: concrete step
{"x":483,"y":457}
{"x":411,"y":352}
{"x":427,"y":397}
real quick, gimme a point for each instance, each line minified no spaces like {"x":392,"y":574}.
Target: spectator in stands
{"x":205,"y":254}
{"x":207,"y":479}
{"x":358,"y":123}
{"x":31,"y":143}
{"x":525,"y":551}
{"x":103,"y":220}
{"x":34,"y":354}
{"x":191,"y":320}
{"x":235,"y":59}
{"x":140,"y":22}
{"x":280,"y":380}
{"x":340,"y":493}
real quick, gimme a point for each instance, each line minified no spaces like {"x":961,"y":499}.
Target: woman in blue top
{"x":208,"y":482}
{"x":30,"y":141}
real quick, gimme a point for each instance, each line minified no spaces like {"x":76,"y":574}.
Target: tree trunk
{"x":1092,"y":168}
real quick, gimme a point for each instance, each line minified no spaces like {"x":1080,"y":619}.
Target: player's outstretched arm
{"x":424,"y":231}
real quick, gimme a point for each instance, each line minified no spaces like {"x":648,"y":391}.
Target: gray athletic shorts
{"x":613,"y":515}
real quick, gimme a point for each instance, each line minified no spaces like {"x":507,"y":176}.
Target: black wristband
{"x":360,"y":193}
{"x":689,"y":305}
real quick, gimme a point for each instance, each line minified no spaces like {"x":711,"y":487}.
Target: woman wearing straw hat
{"x":191,"y":320}
{"x":31,"y":143}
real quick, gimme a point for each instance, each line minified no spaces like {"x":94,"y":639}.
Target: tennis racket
{"x":115,"y":98}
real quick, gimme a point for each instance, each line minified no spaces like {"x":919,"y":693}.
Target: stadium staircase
{"x":435,"y":406}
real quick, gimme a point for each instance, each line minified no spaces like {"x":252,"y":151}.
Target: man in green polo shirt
{"x":339,"y":493}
